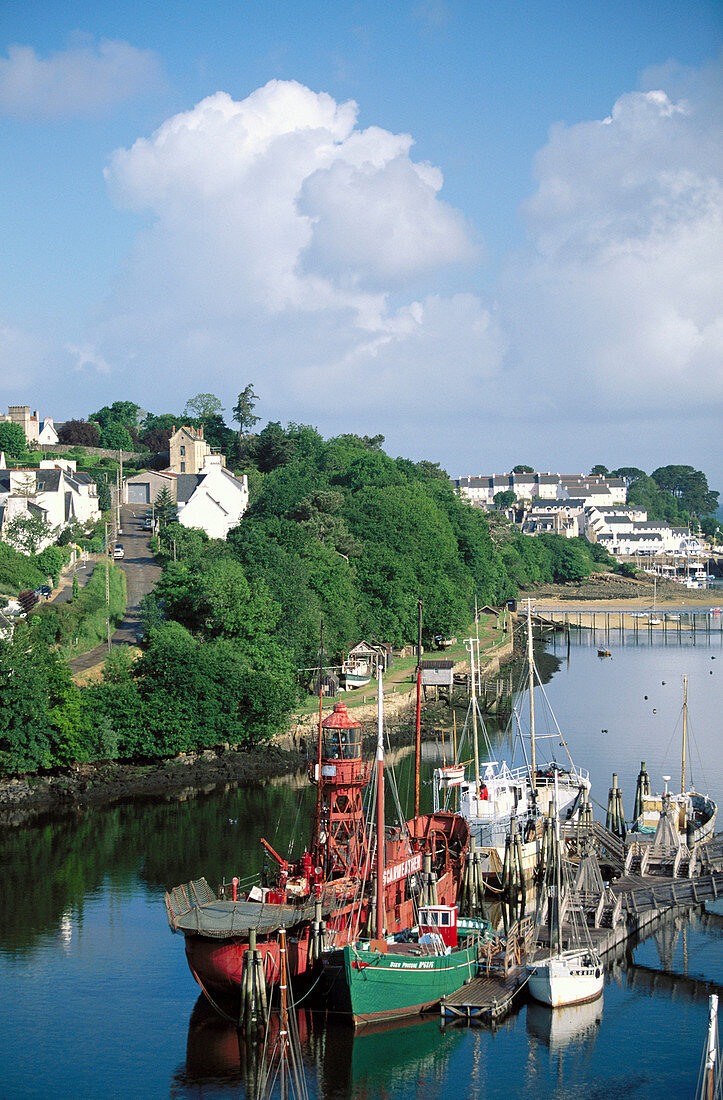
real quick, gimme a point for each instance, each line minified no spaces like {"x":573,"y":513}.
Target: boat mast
{"x":711,"y":1048}
{"x":685,"y":733}
{"x":317,"y":822}
{"x":418,"y":740}
{"x":558,"y":873}
{"x":531,"y":673}
{"x":474,"y":713}
{"x":380,"y":808}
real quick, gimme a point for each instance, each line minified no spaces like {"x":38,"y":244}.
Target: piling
{"x":615,"y":818}
{"x":642,"y":788}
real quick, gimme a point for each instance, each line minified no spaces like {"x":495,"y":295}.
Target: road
{"x":142,"y":575}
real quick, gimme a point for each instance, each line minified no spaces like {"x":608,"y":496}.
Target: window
{"x":183,"y":467}
{"x":183,"y":450}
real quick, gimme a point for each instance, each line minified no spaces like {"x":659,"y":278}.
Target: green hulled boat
{"x":367,"y":983}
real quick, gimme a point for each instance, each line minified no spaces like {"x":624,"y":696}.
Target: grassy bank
{"x":80,"y":625}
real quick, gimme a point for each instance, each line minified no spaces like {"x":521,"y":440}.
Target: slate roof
{"x":186,"y":484}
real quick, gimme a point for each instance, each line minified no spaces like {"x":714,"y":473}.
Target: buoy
{"x":663,"y":683}
{"x":654,"y":711}
{"x":645,"y":697}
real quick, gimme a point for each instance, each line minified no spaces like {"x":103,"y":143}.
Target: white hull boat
{"x":570,"y":978}
{"x":499,"y":800}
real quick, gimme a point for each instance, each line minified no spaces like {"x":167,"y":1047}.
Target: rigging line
{"x":551,"y":712}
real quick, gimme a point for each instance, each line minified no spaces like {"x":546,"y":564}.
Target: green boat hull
{"x":373,"y":985}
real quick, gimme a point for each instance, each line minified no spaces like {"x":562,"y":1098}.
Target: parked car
{"x":148,"y":524}
{"x":45,"y":591}
{"x":119,"y":551}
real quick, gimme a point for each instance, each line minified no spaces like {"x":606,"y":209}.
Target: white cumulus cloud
{"x":280,"y":232}
{"x":84,"y":79}
{"x":618,"y":300}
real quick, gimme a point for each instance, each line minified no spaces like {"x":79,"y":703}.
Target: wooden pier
{"x":674,"y":622}
{"x":630,"y":906}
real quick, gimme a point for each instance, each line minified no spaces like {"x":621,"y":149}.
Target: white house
{"x":213,"y":499}
{"x":56,"y":492}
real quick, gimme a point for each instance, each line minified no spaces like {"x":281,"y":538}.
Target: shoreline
{"x":25,"y":800}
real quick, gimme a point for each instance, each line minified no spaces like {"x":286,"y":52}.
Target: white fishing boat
{"x":567,"y":973}
{"x":499,"y":800}
{"x":356,"y":673}
{"x":691,"y":813}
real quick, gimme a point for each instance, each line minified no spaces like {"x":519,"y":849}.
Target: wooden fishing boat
{"x":397,"y":977}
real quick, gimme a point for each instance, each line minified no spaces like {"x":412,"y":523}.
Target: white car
{"x":119,"y":551}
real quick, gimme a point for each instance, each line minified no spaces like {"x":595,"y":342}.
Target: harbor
{"x":110,"y":868}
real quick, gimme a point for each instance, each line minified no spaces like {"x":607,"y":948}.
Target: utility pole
{"x":107,"y":588}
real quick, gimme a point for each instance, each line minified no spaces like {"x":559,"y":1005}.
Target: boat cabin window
{"x":342,"y":744}
{"x":437,"y":917}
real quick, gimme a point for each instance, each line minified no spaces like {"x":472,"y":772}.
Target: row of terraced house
{"x":589,"y":505}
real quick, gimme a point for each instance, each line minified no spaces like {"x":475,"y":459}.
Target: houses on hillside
{"x":35,"y":432}
{"x":212,"y":498}
{"x":55,"y":492}
{"x":190,"y":453}
{"x":530,"y":488}
{"x":573,"y":505}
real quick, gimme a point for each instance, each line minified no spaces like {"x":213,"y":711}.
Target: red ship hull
{"x":217,"y":964}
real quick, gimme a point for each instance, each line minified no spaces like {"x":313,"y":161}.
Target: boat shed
{"x":377,"y":655}
{"x":437,"y":673}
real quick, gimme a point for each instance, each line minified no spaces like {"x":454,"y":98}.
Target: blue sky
{"x":491,"y":232}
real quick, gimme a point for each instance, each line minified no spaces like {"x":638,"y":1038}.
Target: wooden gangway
{"x":501,"y":974}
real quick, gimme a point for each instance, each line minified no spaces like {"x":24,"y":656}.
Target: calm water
{"x":95,"y":994}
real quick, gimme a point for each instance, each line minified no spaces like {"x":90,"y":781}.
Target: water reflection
{"x":559,"y":1027}
{"x":386,"y":1059}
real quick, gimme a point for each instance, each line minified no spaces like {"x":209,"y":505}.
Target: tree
{"x":156,"y":439}
{"x":243,"y":410}
{"x":165,"y":506}
{"x":522,"y":470}
{"x":203,"y":405}
{"x":688,"y":486}
{"x":116,"y":437}
{"x":82,"y":433}
{"x":28,"y":532}
{"x":601,"y":471}
{"x":629,"y":473}
{"x":273,"y":447}
{"x":12,"y":440}
{"x":120,"y":412}
{"x":505,"y":499}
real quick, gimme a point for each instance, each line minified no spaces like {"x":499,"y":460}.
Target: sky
{"x":491,"y":232}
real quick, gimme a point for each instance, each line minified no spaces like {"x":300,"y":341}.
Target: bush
{"x":18,"y":571}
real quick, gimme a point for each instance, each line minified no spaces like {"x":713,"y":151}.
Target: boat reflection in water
{"x":559,"y":1027}
{"x":386,"y":1057}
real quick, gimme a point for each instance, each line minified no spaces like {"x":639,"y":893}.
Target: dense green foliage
{"x":338,"y":533}
{"x":12,"y":440}
{"x":670,"y":493}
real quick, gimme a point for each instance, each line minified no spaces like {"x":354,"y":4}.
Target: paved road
{"x":142,"y":574}
{"x":65,"y":588}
